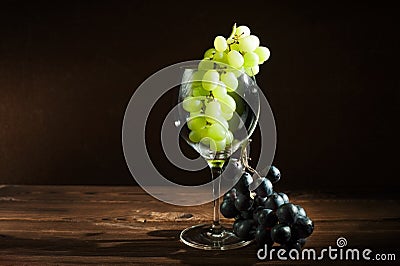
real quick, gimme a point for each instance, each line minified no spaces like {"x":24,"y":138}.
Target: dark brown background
{"x":68,"y":69}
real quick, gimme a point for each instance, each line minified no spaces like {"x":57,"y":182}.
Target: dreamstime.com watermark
{"x":331,"y":253}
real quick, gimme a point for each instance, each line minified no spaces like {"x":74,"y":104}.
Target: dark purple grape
{"x":243,"y":202}
{"x":243,"y":183}
{"x":303,"y":227}
{"x":287,"y":213}
{"x":246,"y":215}
{"x":292,"y":245}
{"x":265,"y":188}
{"x":301,"y":211}
{"x":302,"y":241}
{"x":263,"y":236}
{"x":281,"y":233}
{"x":273,"y":202}
{"x":258,"y":201}
{"x":267,"y":218}
{"x":274,"y":175}
{"x":295,"y":243}
{"x":228,"y":209}
{"x":256,"y":211}
{"x":244,"y":229}
{"x":284,"y":197}
{"x":236,"y":224}
{"x":230,"y":195}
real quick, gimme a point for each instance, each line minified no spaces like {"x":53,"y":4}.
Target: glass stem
{"x":216,"y":170}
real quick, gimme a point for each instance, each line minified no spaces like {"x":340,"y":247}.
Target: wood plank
{"x":121,"y":225}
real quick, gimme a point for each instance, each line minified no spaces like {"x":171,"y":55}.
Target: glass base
{"x":205,"y":237}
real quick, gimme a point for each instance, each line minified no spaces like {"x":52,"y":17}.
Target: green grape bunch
{"x":211,"y":102}
{"x":241,"y":51}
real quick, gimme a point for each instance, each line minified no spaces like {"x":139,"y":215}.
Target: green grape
{"x":209,"y":53}
{"x":250,"y":59}
{"x":217,"y":120}
{"x":206,"y":64}
{"x":230,"y":80}
{"x":227,"y":116}
{"x":212,"y":111}
{"x":220,"y":44}
{"x":196,"y":122}
{"x":228,"y":104}
{"x":221,"y":120}
{"x":195,"y":114}
{"x":213,"y":144}
{"x":194,"y":87}
{"x":192,"y":104}
{"x":263,"y":53}
{"x":252,"y":71}
{"x":207,"y":141}
{"x":235,"y":59}
{"x":210,"y":80}
{"x":217,"y":131}
{"x":237,"y":72}
{"x":195,"y":79}
{"x":234,"y":46}
{"x":218,"y":145}
{"x":242,"y":31}
{"x":229,"y":137}
{"x":219,"y":92}
{"x":197,"y":76}
{"x":199,"y":91}
{"x":221,"y":57}
{"x":197,"y":135}
{"x":249,"y":43}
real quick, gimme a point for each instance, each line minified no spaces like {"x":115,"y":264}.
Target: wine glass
{"x":219,"y":118}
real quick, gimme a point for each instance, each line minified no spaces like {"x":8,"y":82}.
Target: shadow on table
{"x":162,"y":244}
{"x":185,"y":254}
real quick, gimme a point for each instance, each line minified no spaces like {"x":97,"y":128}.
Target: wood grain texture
{"x":42,"y":225}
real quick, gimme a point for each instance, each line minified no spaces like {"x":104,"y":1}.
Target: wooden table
{"x":123,"y":225}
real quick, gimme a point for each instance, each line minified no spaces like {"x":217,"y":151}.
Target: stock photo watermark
{"x":338,"y":252}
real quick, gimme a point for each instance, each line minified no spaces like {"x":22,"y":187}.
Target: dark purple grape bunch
{"x":265,"y":215}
